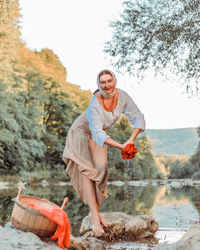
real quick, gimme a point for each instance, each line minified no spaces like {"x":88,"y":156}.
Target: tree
{"x":160,"y":35}
{"x":195,"y":158}
{"x":9,"y":36}
{"x":145,"y":160}
{"x":180,"y":168}
{"x":34,"y":119}
{"x":56,"y":113}
{"x":21,"y":147}
{"x":59,"y":112}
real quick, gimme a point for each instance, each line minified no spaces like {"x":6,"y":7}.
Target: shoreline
{"x":174,"y":183}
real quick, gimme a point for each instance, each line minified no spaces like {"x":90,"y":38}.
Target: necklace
{"x":110,"y":108}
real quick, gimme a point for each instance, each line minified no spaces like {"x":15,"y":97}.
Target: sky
{"x":76,"y":30}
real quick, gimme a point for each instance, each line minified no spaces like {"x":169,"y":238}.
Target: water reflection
{"x":177,"y":207}
{"x":172,"y":207}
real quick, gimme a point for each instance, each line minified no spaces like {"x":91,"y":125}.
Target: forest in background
{"x":38,"y":106}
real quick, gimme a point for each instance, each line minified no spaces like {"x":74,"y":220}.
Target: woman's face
{"x":107,"y":83}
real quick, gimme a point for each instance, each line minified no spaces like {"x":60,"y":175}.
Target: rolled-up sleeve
{"x":96,"y":126}
{"x":136,"y":118}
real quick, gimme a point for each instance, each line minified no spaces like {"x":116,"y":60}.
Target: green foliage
{"x":57,"y":113}
{"x":9,"y":36}
{"x":196,"y":175}
{"x":181,"y":169}
{"x":145,"y":159}
{"x":34,"y":123}
{"x":20,"y":139}
{"x":195,"y":158}
{"x":158,"y":34}
{"x":178,"y":167}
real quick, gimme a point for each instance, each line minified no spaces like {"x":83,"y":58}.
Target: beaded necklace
{"x":113,"y":103}
{"x":110,"y":108}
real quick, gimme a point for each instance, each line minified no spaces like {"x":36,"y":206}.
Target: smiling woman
{"x":106,"y":82}
{"x":85,"y":151}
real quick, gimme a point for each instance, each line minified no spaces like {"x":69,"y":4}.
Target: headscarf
{"x":99,"y":86}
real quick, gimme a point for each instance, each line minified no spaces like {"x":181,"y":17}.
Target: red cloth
{"x":129,"y":151}
{"x":59,"y":216}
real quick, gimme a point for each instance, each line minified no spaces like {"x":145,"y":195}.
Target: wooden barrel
{"x":28,"y":219}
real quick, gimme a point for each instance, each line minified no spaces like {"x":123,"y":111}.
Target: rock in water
{"x":122,"y":227}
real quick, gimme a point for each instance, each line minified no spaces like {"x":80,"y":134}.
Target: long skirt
{"x":85,"y":157}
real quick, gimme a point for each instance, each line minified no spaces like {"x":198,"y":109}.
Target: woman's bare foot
{"x":96,"y":225}
{"x":96,"y":228}
{"x":104,"y":222}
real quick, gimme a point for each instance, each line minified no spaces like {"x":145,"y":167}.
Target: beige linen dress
{"x":85,"y":151}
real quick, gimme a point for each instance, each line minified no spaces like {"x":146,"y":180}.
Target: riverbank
{"x":12,"y":238}
{"x":8,"y":181}
{"x":173,"y":203}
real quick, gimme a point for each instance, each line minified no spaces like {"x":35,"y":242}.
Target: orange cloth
{"x":59,"y":216}
{"x":129,"y":151}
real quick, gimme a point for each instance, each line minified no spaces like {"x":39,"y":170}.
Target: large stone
{"x":76,"y":243}
{"x":122,"y":227}
{"x":139,"y":228}
{"x":189,"y":241}
{"x":12,"y":238}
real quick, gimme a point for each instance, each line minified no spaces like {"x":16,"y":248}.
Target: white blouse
{"x":99,"y":119}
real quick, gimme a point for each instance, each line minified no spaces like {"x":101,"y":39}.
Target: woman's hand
{"x":136,"y":131}
{"x":115,"y":144}
{"x":127,"y":142}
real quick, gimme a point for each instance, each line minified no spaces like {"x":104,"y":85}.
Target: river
{"x":174,"y":204}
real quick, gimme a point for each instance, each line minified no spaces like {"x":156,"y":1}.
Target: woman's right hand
{"x":113,"y":143}
{"x":126,"y":143}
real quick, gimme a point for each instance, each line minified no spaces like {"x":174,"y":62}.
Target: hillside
{"x":48,"y":65}
{"x":181,"y":141}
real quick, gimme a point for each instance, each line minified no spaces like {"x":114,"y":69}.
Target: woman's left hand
{"x":127,"y":142}
{"x":131,"y":140}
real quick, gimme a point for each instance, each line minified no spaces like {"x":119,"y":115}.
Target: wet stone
{"x":122,"y":227}
{"x":125,"y":232}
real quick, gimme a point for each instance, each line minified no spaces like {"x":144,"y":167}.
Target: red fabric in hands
{"x":59,"y":216}
{"x":129,"y":151}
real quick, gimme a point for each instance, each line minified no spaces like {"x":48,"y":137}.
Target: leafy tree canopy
{"x":9,"y":36}
{"x":160,"y":35}
{"x":48,"y":65}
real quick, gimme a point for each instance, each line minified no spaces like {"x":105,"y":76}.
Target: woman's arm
{"x":115,"y":144}
{"x":134,"y":135}
{"x":132,"y":112}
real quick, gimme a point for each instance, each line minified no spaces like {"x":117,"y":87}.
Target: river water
{"x":174,"y":204}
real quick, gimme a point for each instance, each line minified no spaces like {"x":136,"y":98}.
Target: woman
{"x":85,"y":151}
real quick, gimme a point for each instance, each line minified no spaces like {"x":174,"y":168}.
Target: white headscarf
{"x":99,"y":86}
